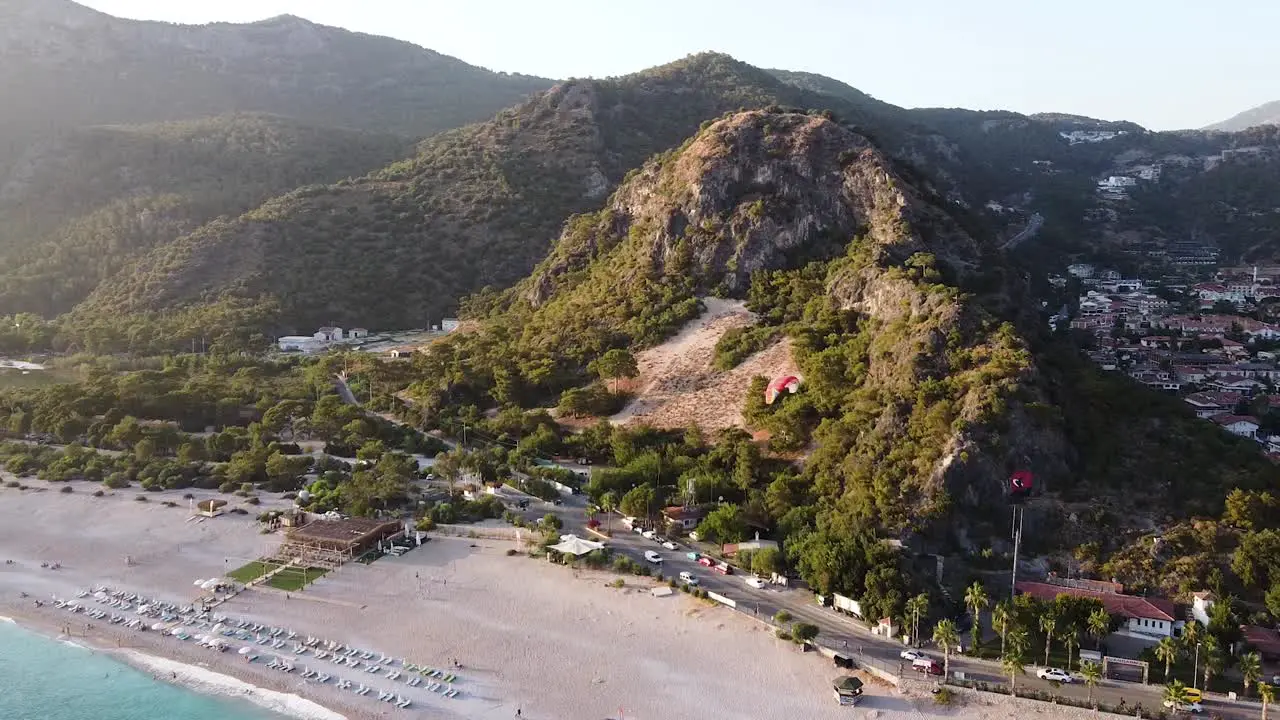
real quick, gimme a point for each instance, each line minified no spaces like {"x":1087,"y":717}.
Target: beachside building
{"x":329,"y":334}
{"x":449,"y":324}
{"x":682,"y":518}
{"x":1147,"y":618}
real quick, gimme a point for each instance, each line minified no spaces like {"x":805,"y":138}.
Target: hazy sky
{"x":1162,"y":63}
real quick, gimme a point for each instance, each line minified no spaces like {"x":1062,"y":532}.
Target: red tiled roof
{"x":1265,"y":639}
{"x":1226,"y":419}
{"x":1127,"y":606}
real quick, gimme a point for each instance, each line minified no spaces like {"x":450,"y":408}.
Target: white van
{"x":653,"y":557}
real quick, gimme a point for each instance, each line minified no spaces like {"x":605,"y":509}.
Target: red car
{"x":706,"y":561}
{"x":723,"y":568}
{"x":927,"y":665}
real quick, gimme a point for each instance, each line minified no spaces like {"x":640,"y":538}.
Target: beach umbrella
{"x":157,"y":626}
{"x":198,"y":583}
{"x":246,"y":649}
{"x":209,"y":584}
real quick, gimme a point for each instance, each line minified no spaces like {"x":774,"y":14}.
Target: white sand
{"x":678,"y":385}
{"x":551,"y":641}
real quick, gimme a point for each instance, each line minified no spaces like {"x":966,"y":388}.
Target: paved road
{"x":835,"y":629}
{"x":838,"y":631}
{"x":1033,"y":227}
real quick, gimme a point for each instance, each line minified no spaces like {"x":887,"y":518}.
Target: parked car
{"x":1053,"y":675}
{"x":1192,"y":707}
{"x":723,"y":568}
{"x":637,"y":529}
{"x":927,"y":665}
{"x":649,"y":534}
{"x":756,"y":582}
{"x":911,"y":655}
{"x":653,"y":557}
{"x":1194,"y":695}
{"x":669,"y":545}
{"x":706,"y":561}
{"x":688,"y":578}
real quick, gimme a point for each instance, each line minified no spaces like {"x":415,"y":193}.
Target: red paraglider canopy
{"x":786,"y":383}
{"x":1020,"y":482}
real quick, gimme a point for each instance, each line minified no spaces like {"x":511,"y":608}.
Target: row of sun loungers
{"x":433,"y":680}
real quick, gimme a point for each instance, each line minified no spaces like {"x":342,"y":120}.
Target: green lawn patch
{"x":293,"y":579}
{"x":252,"y":571}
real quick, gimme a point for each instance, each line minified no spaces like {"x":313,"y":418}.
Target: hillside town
{"x":1203,"y":341}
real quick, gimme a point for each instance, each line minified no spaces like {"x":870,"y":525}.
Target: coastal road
{"x":840,"y":632}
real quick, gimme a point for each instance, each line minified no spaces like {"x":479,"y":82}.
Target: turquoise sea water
{"x":43,"y":679}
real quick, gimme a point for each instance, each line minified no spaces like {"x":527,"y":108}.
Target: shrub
{"x":512,"y":551}
{"x":253,"y":501}
{"x":140,"y":498}
{"x":782,"y":634}
{"x":782,"y":617}
{"x":98,"y":493}
{"x":227,"y":487}
{"x":188,"y":496}
{"x":170,"y":503}
{"x":66,"y":489}
{"x":619,"y":583}
{"x":13,"y":484}
{"x":804,"y":632}
{"x":943,"y":696}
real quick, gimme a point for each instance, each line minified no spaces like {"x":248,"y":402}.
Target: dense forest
{"x":103,"y":197}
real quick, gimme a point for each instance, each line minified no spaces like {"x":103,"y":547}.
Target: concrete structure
{"x":1245,"y":426}
{"x":329,"y":334}
{"x":449,"y":324}
{"x":683,"y":518}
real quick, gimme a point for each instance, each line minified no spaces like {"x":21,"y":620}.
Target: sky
{"x":1165,"y":64}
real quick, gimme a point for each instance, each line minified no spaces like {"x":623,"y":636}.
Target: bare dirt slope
{"x":677,"y":384}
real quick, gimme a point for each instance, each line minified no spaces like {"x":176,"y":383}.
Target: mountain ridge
{"x":1264,"y":114}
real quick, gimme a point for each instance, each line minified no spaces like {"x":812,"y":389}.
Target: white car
{"x":1194,"y":707}
{"x":1053,"y":675}
{"x":669,"y":545}
{"x":648,"y":534}
{"x":755,"y":582}
{"x":911,"y":655}
{"x":653,"y":557}
{"x":688,"y":578}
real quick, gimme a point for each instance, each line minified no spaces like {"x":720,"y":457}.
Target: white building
{"x":1080,"y":270}
{"x":449,"y":324}
{"x":1200,"y":604}
{"x":329,"y":334}
{"x":298,"y":343}
{"x":357,"y":333}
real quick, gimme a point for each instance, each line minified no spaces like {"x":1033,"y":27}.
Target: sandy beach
{"x":546,"y":640}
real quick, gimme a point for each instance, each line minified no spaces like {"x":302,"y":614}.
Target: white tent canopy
{"x":574,"y":545}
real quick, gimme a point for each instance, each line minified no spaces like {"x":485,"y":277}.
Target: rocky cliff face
{"x":923,"y":360}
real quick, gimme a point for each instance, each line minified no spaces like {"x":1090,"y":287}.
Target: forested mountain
{"x":78,"y":210}
{"x":1267,"y":114}
{"x":65,"y":66}
{"x":475,"y":207}
{"x":926,"y":378}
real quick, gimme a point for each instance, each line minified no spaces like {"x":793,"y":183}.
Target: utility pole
{"x":1017,"y":540}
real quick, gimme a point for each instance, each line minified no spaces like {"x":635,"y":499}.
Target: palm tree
{"x":1099,"y":624}
{"x":1001,"y":615}
{"x":1212,"y":657}
{"x":1250,"y":669}
{"x":916,"y":606}
{"x":1019,"y":641}
{"x":1191,"y":635}
{"x":1168,"y":651}
{"x":1092,"y":673}
{"x":609,"y":503}
{"x":946,"y":637}
{"x":976,"y":597}
{"x":1048,"y":624}
{"x":1012,"y":665}
{"x":1175,"y":695}
{"x":1070,"y":636}
{"x":1268,"y":695}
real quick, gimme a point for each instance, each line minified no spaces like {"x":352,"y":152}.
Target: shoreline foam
{"x":191,"y":677}
{"x":209,"y":682}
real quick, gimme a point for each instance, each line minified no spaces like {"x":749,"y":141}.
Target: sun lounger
{"x":404,"y":703}
{"x":450,"y":678}
{"x":322,"y":678}
{"x":451,"y":694}
{"x":432,"y":687}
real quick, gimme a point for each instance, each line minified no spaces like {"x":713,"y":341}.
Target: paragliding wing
{"x":786,"y":383}
{"x":1020,"y":482}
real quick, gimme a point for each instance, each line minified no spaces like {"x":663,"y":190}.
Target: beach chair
{"x":451,"y":694}
{"x":450,"y":678}
{"x":322,"y":678}
{"x":404,"y":703}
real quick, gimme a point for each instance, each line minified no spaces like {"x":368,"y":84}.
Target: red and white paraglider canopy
{"x":1020,"y":482}
{"x":786,"y":383}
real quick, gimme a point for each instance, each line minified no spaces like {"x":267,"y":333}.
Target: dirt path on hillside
{"x":677,"y":384}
